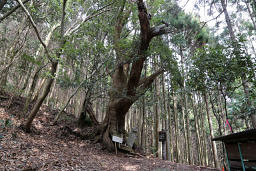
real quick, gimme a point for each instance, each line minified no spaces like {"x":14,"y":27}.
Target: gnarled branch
{"x":78,"y":24}
{"x":146,"y":82}
{"x":145,"y":37}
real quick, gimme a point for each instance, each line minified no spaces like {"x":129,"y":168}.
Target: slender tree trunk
{"x":200,"y":146}
{"x":185,"y":110}
{"x":152,"y":138}
{"x":185,"y":135}
{"x":31,"y":92}
{"x":167,"y":121}
{"x":228,"y":21}
{"x":157,"y":120}
{"x":157,"y":117}
{"x":250,"y":13}
{"x":243,"y":76}
{"x":27,"y":79}
{"x":214,"y":148}
{"x":196,"y":131}
{"x":247,"y":95}
{"x":41,"y":85}
{"x":40,"y":100}
{"x":205,"y":138}
{"x":96,"y":109}
{"x":189,"y":160}
{"x":38,"y":69}
{"x":169,"y":135}
{"x":54,"y":65}
{"x":202,"y":133}
{"x":216,"y":114}
{"x":12,"y":53}
{"x":143,"y":142}
{"x":176,"y":120}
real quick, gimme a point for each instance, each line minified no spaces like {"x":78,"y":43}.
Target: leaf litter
{"x":53,"y":147}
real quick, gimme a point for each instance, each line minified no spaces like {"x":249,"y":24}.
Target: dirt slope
{"x":51,"y":147}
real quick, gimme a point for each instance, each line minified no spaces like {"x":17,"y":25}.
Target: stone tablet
{"x":132,"y":137}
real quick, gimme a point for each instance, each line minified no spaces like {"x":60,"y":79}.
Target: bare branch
{"x":215,"y":18}
{"x":78,"y":24}
{"x":12,"y":11}
{"x":62,"y":19}
{"x":35,"y":28}
{"x":185,"y":4}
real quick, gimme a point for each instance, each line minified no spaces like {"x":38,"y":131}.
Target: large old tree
{"x":127,"y":83}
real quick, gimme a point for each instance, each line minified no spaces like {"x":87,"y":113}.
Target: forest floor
{"x":57,"y":147}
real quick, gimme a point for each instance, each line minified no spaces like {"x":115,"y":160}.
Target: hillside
{"x":56,"y":147}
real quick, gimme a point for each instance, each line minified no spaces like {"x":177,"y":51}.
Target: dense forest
{"x":122,"y":66}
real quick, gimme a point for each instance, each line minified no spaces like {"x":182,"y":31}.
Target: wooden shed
{"x":240,"y":150}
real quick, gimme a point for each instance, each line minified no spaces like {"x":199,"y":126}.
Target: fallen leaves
{"x":60,"y":147}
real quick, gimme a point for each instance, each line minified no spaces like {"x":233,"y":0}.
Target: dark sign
{"x":162,"y":135}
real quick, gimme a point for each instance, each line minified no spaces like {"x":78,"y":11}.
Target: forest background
{"x":148,"y":65}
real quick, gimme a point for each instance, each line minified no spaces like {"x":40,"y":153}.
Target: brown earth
{"x":58,"y":147}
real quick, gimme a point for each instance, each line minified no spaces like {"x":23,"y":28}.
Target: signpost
{"x":162,"y":138}
{"x":117,"y":139}
{"x":162,"y":135}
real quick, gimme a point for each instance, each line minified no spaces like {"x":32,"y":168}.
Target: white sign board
{"x":117,"y":139}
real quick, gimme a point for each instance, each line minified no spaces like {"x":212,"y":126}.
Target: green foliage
{"x":5,"y":123}
{"x":47,"y":74}
{"x":54,"y":12}
{"x":30,"y":59}
{"x":13,"y":89}
{"x":238,"y":107}
{"x":220,"y":64}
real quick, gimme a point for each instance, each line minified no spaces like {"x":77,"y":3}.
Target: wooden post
{"x":162,"y":138}
{"x":241,"y":156}
{"x":115,"y":148}
{"x":227,"y":157}
{"x":164,"y":150}
{"x":117,"y":139}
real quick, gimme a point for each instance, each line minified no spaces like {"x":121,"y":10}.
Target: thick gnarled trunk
{"x":115,"y":119}
{"x":127,"y":86}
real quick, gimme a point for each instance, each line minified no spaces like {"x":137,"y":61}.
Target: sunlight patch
{"x":130,"y":167}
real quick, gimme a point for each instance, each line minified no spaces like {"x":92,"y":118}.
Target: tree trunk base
{"x":25,"y":128}
{"x":106,"y":140}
